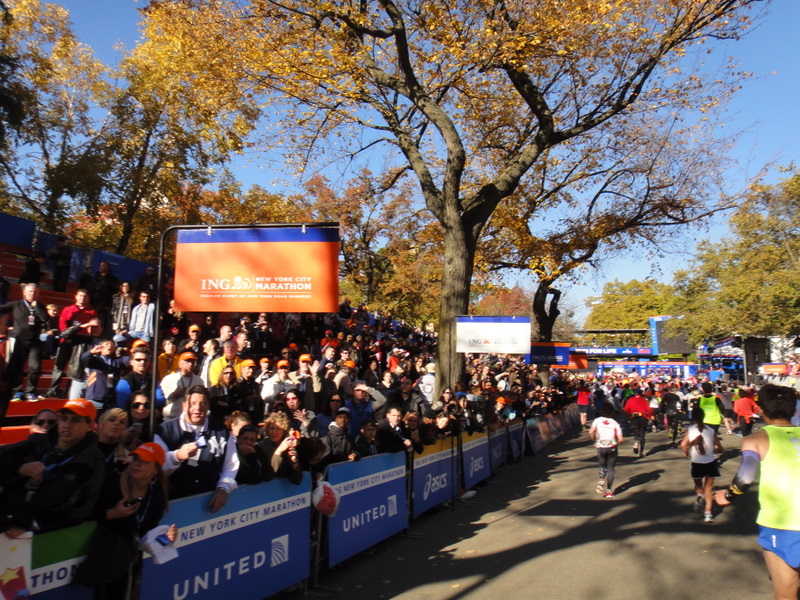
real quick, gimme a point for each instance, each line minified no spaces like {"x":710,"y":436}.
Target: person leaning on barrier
{"x":200,"y":454}
{"x":281,"y":446}
{"x":366,"y":444}
{"x":255,"y":465}
{"x":339,"y":446}
{"x":131,"y":504}
{"x":52,"y":480}
{"x":392,"y":434}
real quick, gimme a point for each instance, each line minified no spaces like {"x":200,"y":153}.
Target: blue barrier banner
{"x":434,"y":476}
{"x":78,"y":263}
{"x":124,"y":268}
{"x":17,"y":231}
{"x":498,"y":448}
{"x":257,"y":545}
{"x":535,"y":435}
{"x":372,"y":505}
{"x":556,"y":425}
{"x":516,"y":438}
{"x":475,"y":454}
{"x":573,"y":415}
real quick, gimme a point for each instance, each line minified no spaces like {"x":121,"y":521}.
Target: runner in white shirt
{"x":607,"y":434}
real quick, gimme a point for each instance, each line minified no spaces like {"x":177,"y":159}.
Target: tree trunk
{"x":456,"y":278}
{"x":546,"y":319}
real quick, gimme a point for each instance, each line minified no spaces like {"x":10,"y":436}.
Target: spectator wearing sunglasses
{"x":43,"y":421}
{"x":279,"y":383}
{"x":139,"y":430}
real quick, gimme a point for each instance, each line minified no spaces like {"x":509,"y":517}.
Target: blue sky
{"x":765,"y":109}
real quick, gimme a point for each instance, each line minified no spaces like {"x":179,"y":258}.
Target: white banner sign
{"x":507,"y":335}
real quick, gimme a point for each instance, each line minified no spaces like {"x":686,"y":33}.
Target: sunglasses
{"x":140,"y":405}
{"x":138,"y":360}
{"x":43,"y":422}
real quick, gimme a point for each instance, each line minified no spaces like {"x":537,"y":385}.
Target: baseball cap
{"x":82,"y":407}
{"x":248,"y":363}
{"x":138,"y":343}
{"x":151,"y":452}
{"x":343,"y":411}
{"x":194,"y":327}
{"x":349,"y":363}
{"x":264,"y":361}
{"x":305,"y":358}
{"x":282,"y":363}
{"x":187,"y":356}
{"x":329,"y":332}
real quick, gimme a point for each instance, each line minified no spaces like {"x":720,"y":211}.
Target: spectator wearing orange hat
{"x":307,"y":381}
{"x":192,"y":343}
{"x":74,"y":468}
{"x":174,"y":385}
{"x":250,"y":392}
{"x":264,"y":371}
{"x":278,"y":383}
{"x":344,"y":379}
{"x":330,"y":339}
{"x":131,"y":504}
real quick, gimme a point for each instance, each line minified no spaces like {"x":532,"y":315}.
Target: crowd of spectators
{"x":308,"y":390}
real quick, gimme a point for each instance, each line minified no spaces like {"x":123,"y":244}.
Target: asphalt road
{"x":539,"y":530}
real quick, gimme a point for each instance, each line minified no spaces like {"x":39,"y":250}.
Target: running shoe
{"x":609,"y":494}
{"x":601,"y":486}
{"x":468,"y":494}
{"x":699,"y":504}
{"x":31,"y":397}
{"x":636,"y":448}
{"x":708,"y":518}
{"x":18,"y":397}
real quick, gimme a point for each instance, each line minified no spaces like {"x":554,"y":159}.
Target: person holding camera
{"x":131,"y":504}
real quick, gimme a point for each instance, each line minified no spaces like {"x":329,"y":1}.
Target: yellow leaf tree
{"x":469,"y":95}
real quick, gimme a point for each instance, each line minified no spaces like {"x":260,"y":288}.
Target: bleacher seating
{"x":19,"y":414}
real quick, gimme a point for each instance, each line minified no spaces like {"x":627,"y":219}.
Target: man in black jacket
{"x":52,"y":480}
{"x":28,"y":319}
{"x":393,"y":435}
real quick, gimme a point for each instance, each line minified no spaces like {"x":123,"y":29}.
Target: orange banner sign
{"x":273,"y":269}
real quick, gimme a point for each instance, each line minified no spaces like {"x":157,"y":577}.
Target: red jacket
{"x":637,"y":404}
